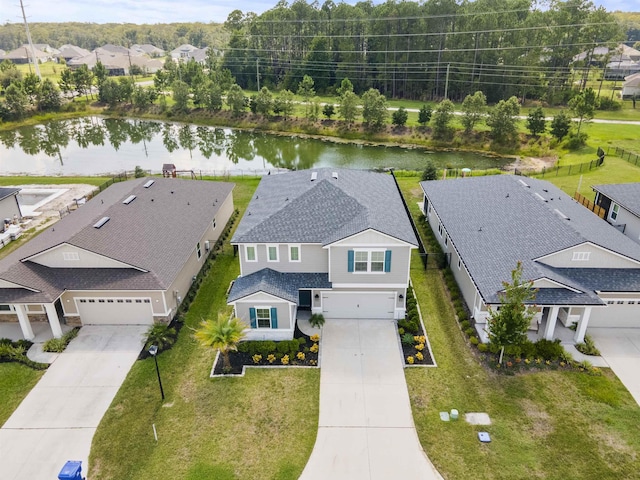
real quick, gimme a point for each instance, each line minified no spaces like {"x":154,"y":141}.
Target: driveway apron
{"x":366,"y":429}
{"x":620,"y":348}
{"x":57,"y":419}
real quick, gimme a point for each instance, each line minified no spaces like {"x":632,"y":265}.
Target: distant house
{"x":117,"y":64}
{"x":147,"y":49}
{"x":128,"y":256}
{"x":111,"y":48}
{"x":22,"y":54}
{"x":587,"y":273}
{"x":599,"y":54}
{"x":620,"y":68}
{"x":186,"y":52}
{"x":69,"y":52}
{"x":331,"y":241}
{"x":631,"y":86}
{"x":622,"y":205}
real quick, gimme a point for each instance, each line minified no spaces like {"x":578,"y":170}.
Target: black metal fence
{"x":562,"y":170}
{"x":630,"y":157}
{"x":438,"y":260}
{"x":421,"y":248}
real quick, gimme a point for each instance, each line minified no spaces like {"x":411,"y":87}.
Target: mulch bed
{"x":410,"y":351}
{"x":240,"y":359}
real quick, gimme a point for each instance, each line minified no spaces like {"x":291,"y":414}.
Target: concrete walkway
{"x":620,"y":348}
{"x":57,"y":419}
{"x":366,"y":429}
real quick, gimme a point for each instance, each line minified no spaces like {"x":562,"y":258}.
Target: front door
{"x":304,"y":299}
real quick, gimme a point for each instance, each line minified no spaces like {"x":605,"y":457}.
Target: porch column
{"x":549,"y":329}
{"x":54,"y":322}
{"x":582,"y":325}
{"x":25,"y":325}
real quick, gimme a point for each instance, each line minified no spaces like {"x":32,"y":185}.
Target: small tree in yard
{"x":584,"y":106}
{"x":223,"y":333}
{"x":442,"y":117}
{"x":503,"y":120}
{"x":400,"y":117}
{"x":374,"y":109}
{"x":473,"y":108}
{"x":424,"y":115}
{"x":329,"y":110}
{"x":429,"y":172}
{"x":509,"y":324}
{"x":560,"y":125}
{"x":536,"y":123}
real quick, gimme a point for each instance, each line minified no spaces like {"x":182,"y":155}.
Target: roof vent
{"x":129,"y":199}
{"x":335,"y":175}
{"x":539,"y":197}
{"x":524,"y":184}
{"x":149,"y":183}
{"x":560,"y":214}
{"x":101,"y":222}
{"x":314,"y":176}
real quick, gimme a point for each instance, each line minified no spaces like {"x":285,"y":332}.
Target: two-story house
{"x":331,"y":241}
{"x":622,"y":205}
{"x":585,"y":271}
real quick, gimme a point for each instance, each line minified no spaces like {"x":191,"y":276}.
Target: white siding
{"x":313,"y":258}
{"x":598,"y":257}
{"x":70,"y":256}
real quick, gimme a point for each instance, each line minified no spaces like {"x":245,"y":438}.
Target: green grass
{"x":22,"y":180}
{"x":16,"y":381}
{"x":553,"y":424}
{"x":261,"y":426}
{"x":49,"y":70}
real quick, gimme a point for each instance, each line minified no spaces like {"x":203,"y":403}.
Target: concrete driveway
{"x":366,"y":429}
{"x":58,"y":418}
{"x":620,"y":348}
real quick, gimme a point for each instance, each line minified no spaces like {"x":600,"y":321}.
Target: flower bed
{"x":301,"y":351}
{"x":415,"y":348}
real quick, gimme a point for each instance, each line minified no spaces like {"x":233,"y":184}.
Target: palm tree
{"x":223,"y":334}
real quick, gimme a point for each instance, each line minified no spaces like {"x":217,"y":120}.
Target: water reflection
{"x":92,"y":145}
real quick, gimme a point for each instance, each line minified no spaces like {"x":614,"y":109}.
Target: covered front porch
{"x":558,"y":322}
{"x":44,"y":323}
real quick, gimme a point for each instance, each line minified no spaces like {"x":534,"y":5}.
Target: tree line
{"x":420,"y":50}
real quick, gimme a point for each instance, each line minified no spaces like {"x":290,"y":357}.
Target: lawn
{"x":16,"y":381}
{"x":553,"y":424}
{"x":261,"y":426}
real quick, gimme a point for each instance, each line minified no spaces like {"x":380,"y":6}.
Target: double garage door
{"x":379,"y":305}
{"x":115,"y":311}
{"x":617,"y":315}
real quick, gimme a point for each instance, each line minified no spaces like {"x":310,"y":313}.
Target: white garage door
{"x":623,"y":315}
{"x":358,"y":305}
{"x":115,"y":311}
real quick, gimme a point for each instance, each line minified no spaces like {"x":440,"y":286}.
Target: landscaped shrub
{"x":282,"y":347}
{"x":317,"y":320}
{"x":588,"y":347}
{"x":549,"y":349}
{"x":528,"y":349}
{"x":470,"y":331}
{"x":58,"y":345}
{"x":161,"y":335}
{"x":407,"y":339}
{"x":483,"y":347}
{"x":243,"y":347}
{"x":473,"y":340}
{"x":465,"y":324}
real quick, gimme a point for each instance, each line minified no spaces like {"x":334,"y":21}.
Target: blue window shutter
{"x":387,"y":261}
{"x":274,"y":317}
{"x":350,"y":261}
{"x":252,"y":317}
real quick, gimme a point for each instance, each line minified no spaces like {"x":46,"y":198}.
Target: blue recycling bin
{"x":71,"y":471}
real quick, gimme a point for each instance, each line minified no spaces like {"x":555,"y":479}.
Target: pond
{"x":95,"y":145}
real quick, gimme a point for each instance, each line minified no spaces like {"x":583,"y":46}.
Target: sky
{"x":166,"y":11}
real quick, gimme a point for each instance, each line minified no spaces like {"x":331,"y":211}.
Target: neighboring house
{"x":330,"y":241}
{"x":186,"y":52}
{"x":9,"y":206}
{"x":622,"y":205}
{"x":128,"y":256}
{"x":69,"y":52}
{"x":111,"y":48}
{"x":22,"y":55}
{"x":621,"y":67}
{"x":587,"y":273}
{"x":631,"y":86}
{"x":117,"y":64}
{"x":147,"y":49}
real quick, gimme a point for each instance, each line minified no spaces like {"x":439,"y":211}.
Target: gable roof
{"x":496,"y":221}
{"x":156,"y":233}
{"x":292,"y":208}
{"x":627,"y":195}
{"x":278,"y":284}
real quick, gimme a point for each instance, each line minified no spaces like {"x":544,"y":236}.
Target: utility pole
{"x":446,"y":83}
{"x":33,"y":50}
{"x":257,"y":74}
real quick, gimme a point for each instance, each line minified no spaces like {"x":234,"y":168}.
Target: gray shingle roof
{"x":626,"y":195}
{"x":292,"y":208}
{"x":157,"y":232}
{"x":604,"y":279}
{"x":496,"y":221}
{"x":282,"y":285}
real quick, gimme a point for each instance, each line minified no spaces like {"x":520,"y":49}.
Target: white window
{"x":580,"y":256}
{"x":198,"y":251}
{"x":361,"y":261}
{"x":614,"y":211}
{"x":294,"y":253}
{"x":272,"y":253}
{"x":6,"y":308}
{"x":263,"y":317}
{"x":250,"y":253}
{"x":377,"y":261}
{"x":70,"y":256}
